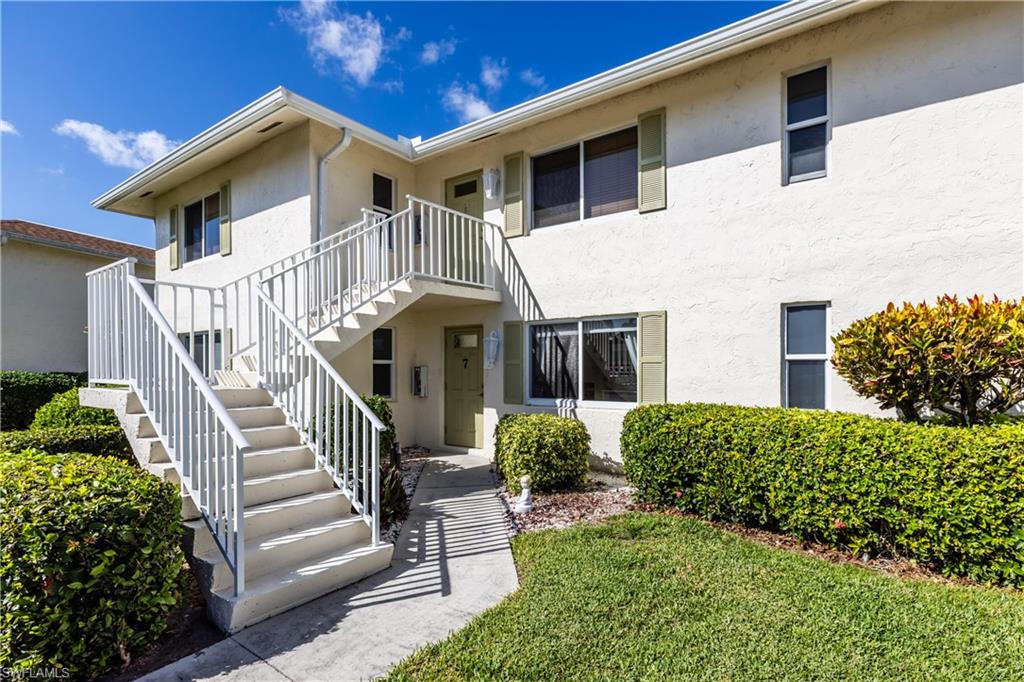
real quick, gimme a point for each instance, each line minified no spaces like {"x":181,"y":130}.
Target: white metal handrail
{"x":339,"y":427}
{"x":131,"y":342}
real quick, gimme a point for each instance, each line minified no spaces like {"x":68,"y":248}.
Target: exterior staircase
{"x":276,"y":455}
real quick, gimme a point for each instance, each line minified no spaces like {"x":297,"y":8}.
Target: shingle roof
{"x":54,"y":236}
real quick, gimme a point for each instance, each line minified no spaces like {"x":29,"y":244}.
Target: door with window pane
{"x":464,"y":387}
{"x":464,"y":238}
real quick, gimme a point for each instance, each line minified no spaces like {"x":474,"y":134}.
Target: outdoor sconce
{"x":491,"y":344}
{"x":492,"y":183}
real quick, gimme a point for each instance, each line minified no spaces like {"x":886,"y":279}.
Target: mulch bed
{"x":598,"y":500}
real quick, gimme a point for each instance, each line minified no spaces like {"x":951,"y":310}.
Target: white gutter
{"x":321,"y":179}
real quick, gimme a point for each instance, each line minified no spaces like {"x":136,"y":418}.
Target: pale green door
{"x":464,"y":387}
{"x":465,"y":245}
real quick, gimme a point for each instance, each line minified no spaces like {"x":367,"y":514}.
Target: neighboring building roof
{"x":281,"y":109}
{"x":22,"y":230}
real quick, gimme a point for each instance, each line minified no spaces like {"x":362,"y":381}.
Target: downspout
{"x":321,"y":178}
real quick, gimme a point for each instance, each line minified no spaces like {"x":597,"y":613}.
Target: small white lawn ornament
{"x":525,"y":501}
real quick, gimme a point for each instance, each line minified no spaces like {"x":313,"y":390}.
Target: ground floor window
{"x":805,"y":354}
{"x":384,"y":362}
{"x":198,"y":346}
{"x":592,"y":359}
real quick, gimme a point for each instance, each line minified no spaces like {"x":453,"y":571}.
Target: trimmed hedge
{"x":64,"y":410}
{"x":90,"y":564}
{"x":92,"y":440}
{"x":553,"y":450}
{"x":22,"y":393}
{"x":947,"y":497}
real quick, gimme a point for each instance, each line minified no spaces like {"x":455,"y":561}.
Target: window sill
{"x":816,"y":175}
{"x":596,"y":221}
{"x":197,"y":261}
{"x":580,"y":404}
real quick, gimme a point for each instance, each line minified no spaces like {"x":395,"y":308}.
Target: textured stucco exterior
{"x":43,"y":301}
{"x":923,"y":197}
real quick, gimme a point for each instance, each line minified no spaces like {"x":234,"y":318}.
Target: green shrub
{"x":394,"y":503}
{"x":552,"y":450}
{"x":22,"y":393}
{"x":64,"y":410}
{"x":90,"y":563}
{"x":947,"y":497}
{"x":962,"y":360}
{"x":92,"y":440}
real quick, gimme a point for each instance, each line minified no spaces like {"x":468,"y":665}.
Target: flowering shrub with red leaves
{"x":964,"y":360}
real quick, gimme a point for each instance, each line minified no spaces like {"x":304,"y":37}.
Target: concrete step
{"x":270,"y":553}
{"x":273,"y":517}
{"x":269,"y":461}
{"x":263,"y":437}
{"x":243,"y":397}
{"x":138,"y":426}
{"x":250,"y":417}
{"x":286,"y":484}
{"x":296,"y":584}
{"x":165,"y":471}
{"x":230,"y":378}
{"x":151,"y":451}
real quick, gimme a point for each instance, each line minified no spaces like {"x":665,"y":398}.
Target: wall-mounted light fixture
{"x":492,"y":183}
{"x":491,"y":343}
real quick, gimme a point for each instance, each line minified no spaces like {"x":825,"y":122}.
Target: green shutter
{"x":513,"y":356}
{"x":172,"y":239}
{"x":651,"y":153}
{"x":225,"y":218}
{"x":653,"y":352}
{"x":514,"y":195}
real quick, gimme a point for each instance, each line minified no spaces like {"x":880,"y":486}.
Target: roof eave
{"x":760,"y":27}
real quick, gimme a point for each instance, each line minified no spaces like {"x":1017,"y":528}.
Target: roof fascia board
{"x":77,"y":248}
{"x":726,"y":38}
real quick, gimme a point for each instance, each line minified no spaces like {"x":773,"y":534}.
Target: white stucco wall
{"x":923,"y":198}
{"x":43,"y":304}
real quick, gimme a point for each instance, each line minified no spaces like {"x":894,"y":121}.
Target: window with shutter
{"x":514,"y":195}
{"x":652,"y":161}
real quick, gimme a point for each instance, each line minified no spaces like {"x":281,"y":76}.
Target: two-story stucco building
{"x":691,"y":226}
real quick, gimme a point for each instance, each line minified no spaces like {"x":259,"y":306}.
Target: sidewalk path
{"x":452,"y":562}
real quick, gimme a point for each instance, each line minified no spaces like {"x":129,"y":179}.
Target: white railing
{"x":341,"y":430}
{"x":357,"y":266}
{"x":130,"y":342}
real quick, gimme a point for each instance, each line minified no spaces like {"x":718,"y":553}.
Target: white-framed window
{"x":805,"y":353}
{"x":588,"y":179}
{"x":384,"y":362}
{"x":201,"y":228}
{"x":590,"y":360}
{"x":807,"y":123}
{"x":197,"y":345}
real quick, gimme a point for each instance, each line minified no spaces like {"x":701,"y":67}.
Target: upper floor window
{"x":591,"y":178}
{"x":383,"y":194}
{"x":807,"y":125}
{"x":202,"y":228}
{"x":805,"y":354}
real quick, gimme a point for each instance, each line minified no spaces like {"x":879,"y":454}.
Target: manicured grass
{"x":656,"y":597}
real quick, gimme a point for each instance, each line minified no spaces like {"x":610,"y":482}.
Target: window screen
{"x":383,"y":194}
{"x":383,"y":362}
{"x":807,"y":124}
{"x":554,"y":360}
{"x":556,"y":187}
{"x":610,"y":360}
{"x":805,"y":354}
{"x":610,"y":174}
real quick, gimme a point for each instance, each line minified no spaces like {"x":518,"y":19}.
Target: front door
{"x":464,"y":387}
{"x":465,"y":239}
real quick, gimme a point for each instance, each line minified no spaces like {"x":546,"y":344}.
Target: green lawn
{"x":658,"y":597}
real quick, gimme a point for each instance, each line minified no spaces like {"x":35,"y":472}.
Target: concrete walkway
{"x":452,"y":562}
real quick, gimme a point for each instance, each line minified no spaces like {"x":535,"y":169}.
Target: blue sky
{"x":90,"y":92}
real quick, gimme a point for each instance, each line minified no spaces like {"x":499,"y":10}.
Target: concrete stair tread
{"x":288,"y":474}
{"x":251,"y":513}
{"x":332,"y":561}
{"x":281,"y":539}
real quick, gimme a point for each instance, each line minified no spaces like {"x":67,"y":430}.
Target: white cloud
{"x":437,"y":51}
{"x":532,"y":78}
{"x":59,"y":170}
{"x":493,"y":73}
{"x":124,"y":148}
{"x":354,"y":43}
{"x":7,"y":128}
{"x":465,"y":102}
